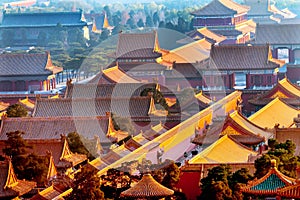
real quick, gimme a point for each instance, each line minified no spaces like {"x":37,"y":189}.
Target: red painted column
{"x":26,"y":85}
{"x":248,"y":81}
{"x":13,"y":86}
{"x":291,"y":56}
{"x":48,"y":84}
{"x":54,"y":82}
{"x":41,"y":85}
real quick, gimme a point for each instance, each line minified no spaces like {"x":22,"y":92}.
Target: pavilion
{"x":223,"y":17}
{"x":147,"y":188}
{"x":269,"y":185}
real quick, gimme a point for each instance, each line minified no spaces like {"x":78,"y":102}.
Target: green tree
{"x":114,"y":182}
{"x":80,"y":145}
{"x":131,"y":23}
{"x":27,"y":165}
{"x":157,"y":96}
{"x":283,"y":153}
{"x":237,"y":180}
{"x":215,"y":185}
{"x":140,"y":23}
{"x":156,"y":19}
{"x":122,"y":123}
{"x":185,"y":95}
{"x":149,"y":22}
{"x":87,"y":185}
{"x":108,"y":14}
{"x":16,"y":110}
{"x":104,"y":34}
{"x":116,"y":18}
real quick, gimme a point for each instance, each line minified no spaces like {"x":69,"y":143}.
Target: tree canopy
{"x":221,"y":183}
{"x":27,"y":165}
{"x":79,"y":144}
{"x":86,"y":185}
{"x":16,"y":110}
{"x":283,"y":153}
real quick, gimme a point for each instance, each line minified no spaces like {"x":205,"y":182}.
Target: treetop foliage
{"x":283,"y":153}
{"x":16,"y":110}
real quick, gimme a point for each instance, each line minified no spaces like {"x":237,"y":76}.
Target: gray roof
{"x":230,"y":57}
{"x":277,"y":34}
{"x":137,"y":45}
{"x":44,"y":19}
{"x":221,"y":8}
{"x":258,"y":7}
{"x":24,"y":64}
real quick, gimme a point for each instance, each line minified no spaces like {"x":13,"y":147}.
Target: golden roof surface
{"x":118,"y":76}
{"x":206,"y":32}
{"x":275,"y":112}
{"x":224,"y":150}
{"x":189,"y":53}
{"x":290,"y":87}
{"x":248,"y":125}
{"x":147,"y":187}
{"x":173,"y":140}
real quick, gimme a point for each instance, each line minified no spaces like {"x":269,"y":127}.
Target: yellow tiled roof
{"x":224,"y":150}
{"x":206,"y":32}
{"x":235,"y":6}
{"x":246,"y":27}
{"x":3,"y":106}
{"x":290,"y":87}
{"x":176,"y":138}
{"x":190,"y":53}
{"x":203,"y":98}
{"x":246,"y":124}
{"x":118,"y":76}
{"x":275,"y":112}
{"x":27,"y":102}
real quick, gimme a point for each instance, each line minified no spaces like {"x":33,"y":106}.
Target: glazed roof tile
{"x":26,"y":64}
{"x":292,"y":191}
{"x":258,"y":8}
{"x":277,"y":34}
{"x":147,"y":187}
{"x":202,"y":33}
{"x":137,"y":45}
{"x":268,"y":115}
{"x":227,"y":33}
{"x":284,"y":89}
{"x":113,"y":75}
{"x":42,"y":19}
{"x":141,"y":66}
{"x":228,"y":126}
{"x":106,"y":90}
{"x":189,"y":53}
{"x":3,"y":106}
{"x":241,"y":58}
{"x":211,"y":34}
{"x":27,"y":103}
{"x":269,"y":183}
{"x":176,"y":140}
{"x":246,"y":27}
{"x":221,"y":8}
{"x":53,"y":128}
{"x":134,"y":107}
{"x":224,"y":150}
{"x":47,"y":194}
{"x":10,"y":186}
